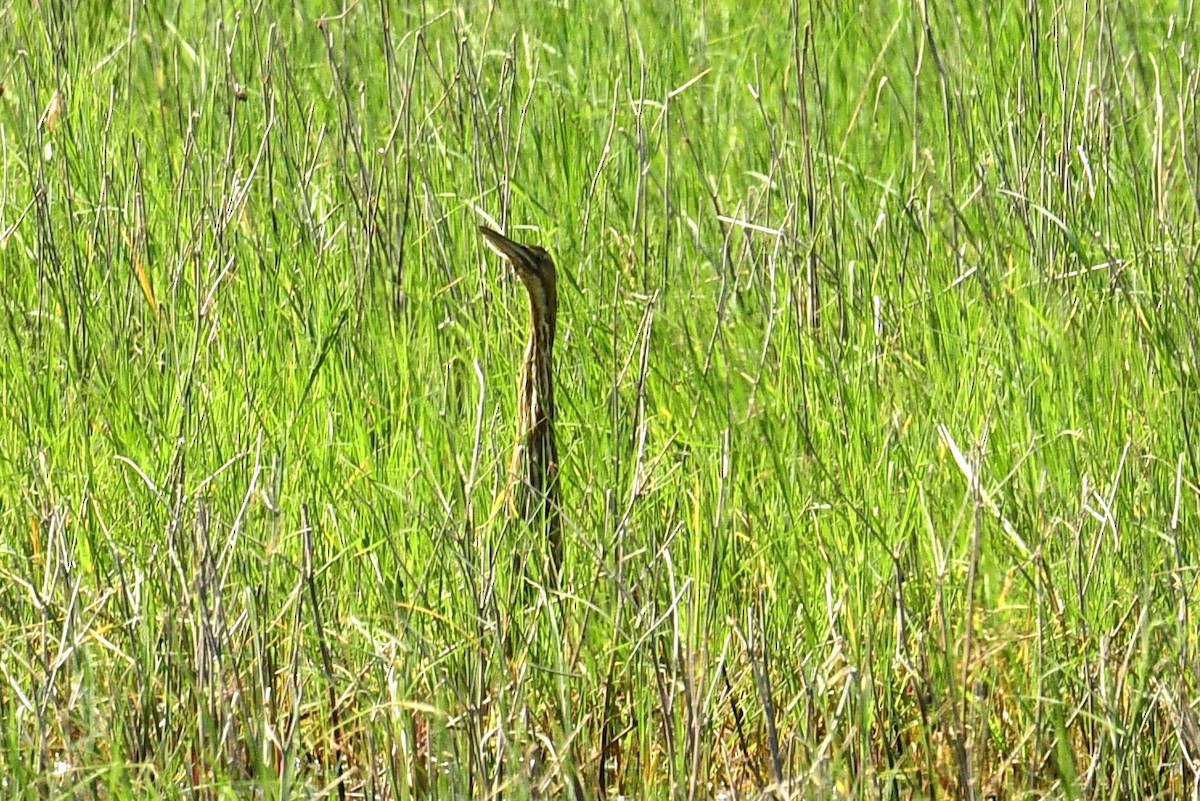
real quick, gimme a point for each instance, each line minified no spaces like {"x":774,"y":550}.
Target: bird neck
{"x":537,"y":382}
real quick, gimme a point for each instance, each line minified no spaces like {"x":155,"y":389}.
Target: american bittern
{"x":533,"y":472}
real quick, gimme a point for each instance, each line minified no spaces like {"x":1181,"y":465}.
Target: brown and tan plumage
{"x":533,"y":472}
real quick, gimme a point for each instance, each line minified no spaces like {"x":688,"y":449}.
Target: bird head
{"x":532,"y":263}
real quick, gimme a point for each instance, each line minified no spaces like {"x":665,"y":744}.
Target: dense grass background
{"x":877,"y":379}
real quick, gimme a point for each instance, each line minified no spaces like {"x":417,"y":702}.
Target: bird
{"x":533,"y":492}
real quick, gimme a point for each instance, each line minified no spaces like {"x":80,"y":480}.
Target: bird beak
{"x":517,"y":254}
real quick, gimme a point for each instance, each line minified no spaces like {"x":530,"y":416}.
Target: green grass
{"x":877,"y":380}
